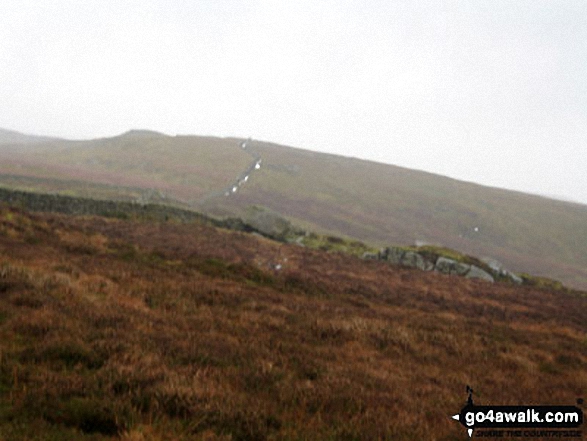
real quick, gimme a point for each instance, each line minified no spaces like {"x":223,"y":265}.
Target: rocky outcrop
{"x":391,"y":255}
{"x":515,"y":278}
{"x":478,"y":273}
{"x":450,"y":266}
{"x":269,"y":223}
{"x":407,"y":258}
{"x":412,"y":259}
{"x":498,"y":269}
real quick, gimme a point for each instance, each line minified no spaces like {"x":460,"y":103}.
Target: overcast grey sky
{"x":493,"y":92}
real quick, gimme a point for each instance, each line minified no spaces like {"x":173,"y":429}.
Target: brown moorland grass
{"x":113,"y":329}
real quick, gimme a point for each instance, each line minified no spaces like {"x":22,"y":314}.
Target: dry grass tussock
{"x":140,"y":331}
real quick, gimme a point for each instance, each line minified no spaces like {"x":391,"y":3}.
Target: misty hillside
{"x":9,"y":137}
{"x":376,"y":203}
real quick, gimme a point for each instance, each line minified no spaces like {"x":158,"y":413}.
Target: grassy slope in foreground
{"x":376,"y":203}
{"x":112,"y":329}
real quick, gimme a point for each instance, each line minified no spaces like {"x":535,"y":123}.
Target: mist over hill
{"x":10,"y":137}
{"x":377,"y":203}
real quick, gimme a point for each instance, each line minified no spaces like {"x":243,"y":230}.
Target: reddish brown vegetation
{"x":149,"y":331}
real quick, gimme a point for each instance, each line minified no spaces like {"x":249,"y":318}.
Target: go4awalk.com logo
{"x":521,"y":421}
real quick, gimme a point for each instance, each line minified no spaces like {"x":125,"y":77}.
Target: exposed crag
{"x":431,"y":259}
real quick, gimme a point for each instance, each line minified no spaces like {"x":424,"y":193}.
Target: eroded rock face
{"x":409,"y":259}
{"x":444,"y":265}
{"x":449,"y":266}
{"x":478,"y":273}
{"x":382,"y":254}
{"x":495,"y":266}
{"x":462,"y":269}
{"x":268,"y":223}
{"x":412,"y":259}
{"x":515,"y":278}
{"x":393,"y":255}
{"x":498,"y":270}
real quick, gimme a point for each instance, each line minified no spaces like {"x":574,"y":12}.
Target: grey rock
{"x":478,"y":273}
{"x":500,"y":271}
{"x":449,"y":266}
{"x":428,"y":266}
{"x":496,"y":267}
{"x":268,"y":223}
{"x":515,"y":278}
{"x":409,"y":259}
{"x":412,"y":259}
{"x":300,"y":241}
{"x":445,"y":265}
{"x":493,"y":264}
{"x":370,"y":256}
{"x":394,"y":255}
{"x":461,"y":269}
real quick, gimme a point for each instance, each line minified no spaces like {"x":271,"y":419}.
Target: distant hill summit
{"x":380,"y":204}
{"x":141,"y":134}
{"x":13,"y":137}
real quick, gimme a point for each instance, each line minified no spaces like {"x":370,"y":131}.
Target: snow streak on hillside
{"x":242,"y":178}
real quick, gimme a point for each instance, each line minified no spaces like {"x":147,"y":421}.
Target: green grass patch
{"x":542,"y":282}
{"x":335,"y":244}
